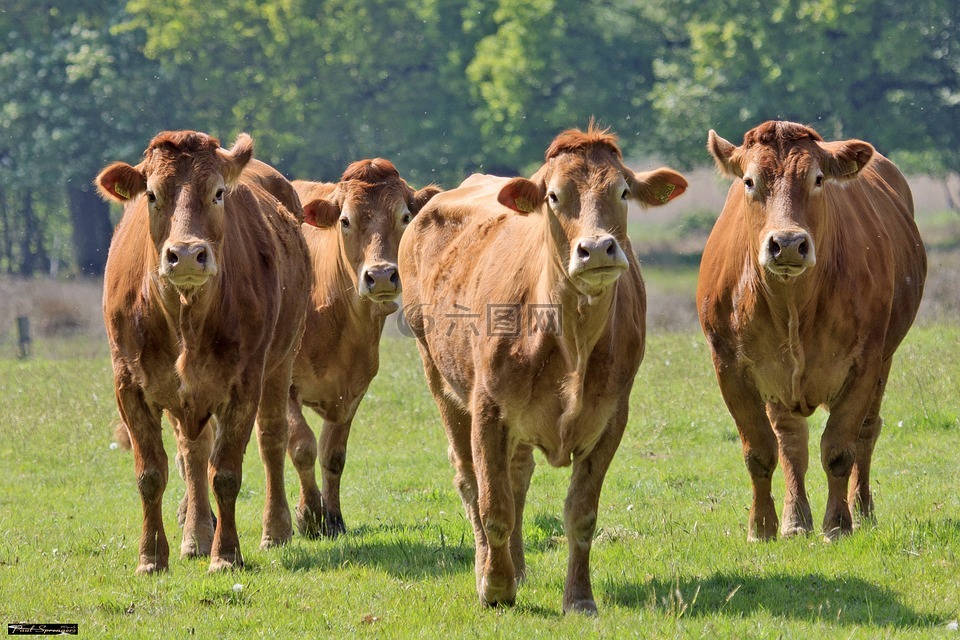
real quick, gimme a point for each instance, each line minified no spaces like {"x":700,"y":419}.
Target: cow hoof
{"x":194,"y":549}
{"x":333,"y":525}
{"x":147,"y":568}
{"x":268,"y":542}
{"x":218,"y":565}
{"x":498,"y":593}
{"x":790,"y":531}
{"x":834,"y":534}
{"x":752,"y":537}
{"x":585,"y":607}
{"x":309,"y":522}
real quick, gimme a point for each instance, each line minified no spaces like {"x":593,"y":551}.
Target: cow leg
{"x":150,"y":465}
{"x":302,"y":448}
{"x":272,"y":442}
{"x":225,"y":474}
{"x":792,"y":435}
{"x":580,"y":514}
{"x":521,"y":471}
{"x":759,"y":445}
{"x":840,"y":446}
{"x":492,"y":458}
{"x":859,"y":492}
{"x":457,"y":424}
{"x":333,"y":457}
{"x":194,"y":514}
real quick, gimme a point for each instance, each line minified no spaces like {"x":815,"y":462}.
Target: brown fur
{"x":221,"y":351}
{"x":784,"y":345}
{"x":273,"y":182}
{"x":564,"y":392}
{"x":340,"y":354}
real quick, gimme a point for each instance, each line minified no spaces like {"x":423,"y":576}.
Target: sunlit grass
{"x":670,"y":558}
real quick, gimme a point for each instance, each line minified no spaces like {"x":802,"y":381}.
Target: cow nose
{"x":597,"y":261}
{"x":188,"y":257}
{"x":598,"y":249}
{"x":790,"y":247}
{"x":381,"y":280}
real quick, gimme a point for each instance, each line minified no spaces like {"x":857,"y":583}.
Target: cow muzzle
{"x":788,"y":252}
{"x":187,"y":264}
{"x":597,"y":261}
{"x":379,"y":283}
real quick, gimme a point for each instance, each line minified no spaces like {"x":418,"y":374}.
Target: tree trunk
{"x":91,"y":227}
{"x":33,"y":255}
{"x":6,"y":235}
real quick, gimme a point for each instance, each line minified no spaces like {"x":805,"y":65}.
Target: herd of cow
{"x":233,"y":297}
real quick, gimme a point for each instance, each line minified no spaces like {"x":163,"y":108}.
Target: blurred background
{"x":444,"y":88}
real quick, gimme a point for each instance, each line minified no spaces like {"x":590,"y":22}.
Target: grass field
{"x":670,"y":558}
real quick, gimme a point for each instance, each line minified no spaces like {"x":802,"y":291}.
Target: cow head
{"x":372,"y":205}
{"x":184,"y":179}
{"x":583,"y":190}
{"x":785,"y":170}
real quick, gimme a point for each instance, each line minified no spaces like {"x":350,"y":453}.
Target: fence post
{"x":23,"y":336}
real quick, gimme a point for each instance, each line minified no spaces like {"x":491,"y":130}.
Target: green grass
{"x":670,"y":559}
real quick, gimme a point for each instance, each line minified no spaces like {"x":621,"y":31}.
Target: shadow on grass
{"x":809,"y":597}
{"x":400,"y":551}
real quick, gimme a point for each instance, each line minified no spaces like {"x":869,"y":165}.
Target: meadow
{"x":670,"y":557}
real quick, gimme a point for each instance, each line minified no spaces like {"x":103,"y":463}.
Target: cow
{"x":353,"y":231}
{"x":809,"y":281}
{"x":529,"y":310}
{"x":205,"y":291}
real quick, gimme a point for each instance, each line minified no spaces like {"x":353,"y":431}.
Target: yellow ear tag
{"x":669,"y":189}
{"x":120,"y":191}
{"x":524,"y":205}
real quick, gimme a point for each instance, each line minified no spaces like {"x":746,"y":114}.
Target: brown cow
{"x":358,"y":222}
{"x":809,"y":281}
{"x":205,"y":291}
{"x":529,"y":309}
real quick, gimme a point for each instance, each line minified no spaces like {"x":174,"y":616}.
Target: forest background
{"x":444,"y":88}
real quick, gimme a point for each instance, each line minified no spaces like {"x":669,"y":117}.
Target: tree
{"x":76,"y":95}
{"x":319,"y":84}
{"x":881,"y":70}
{"x":554,"y":64}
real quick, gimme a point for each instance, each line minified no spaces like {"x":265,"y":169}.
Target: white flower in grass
{"x":237,"y":588}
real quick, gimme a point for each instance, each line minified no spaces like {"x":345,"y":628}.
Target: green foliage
{"x":881,"y":70}
{"x":554,"y":64}
{"x":670,"y":558}
{"x":444,"y":88}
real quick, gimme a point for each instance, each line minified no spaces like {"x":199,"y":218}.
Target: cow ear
{"x":321,"y":213}
{"x":844,"y":160}
{"x":725,"y":155}
{"x":657,"y":187}
{"x":120,"y":182}
{"x":232,"y":162}
{"x":522,"y":195}
{"x":420,"y":198}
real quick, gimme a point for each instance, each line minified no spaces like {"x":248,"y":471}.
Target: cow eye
{"x":345,"y":222}
{"x":218,"y":196}
{"x":151,"y":197}
{"x":748,"y":182}
{"x":553,"y":197}
{"x":819,"y":181}
{"x":625,"y":194}
{"x":406,"y":218}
